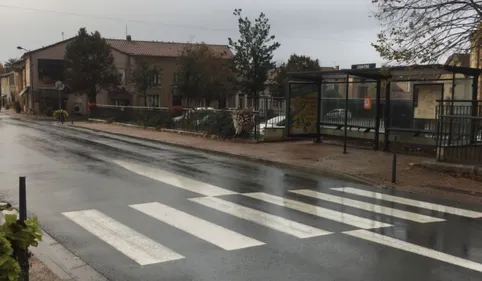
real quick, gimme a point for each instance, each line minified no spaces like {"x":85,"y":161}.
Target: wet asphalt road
{"x":78,"y":174}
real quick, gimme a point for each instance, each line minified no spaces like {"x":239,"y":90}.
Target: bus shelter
{"x":383,"y":102}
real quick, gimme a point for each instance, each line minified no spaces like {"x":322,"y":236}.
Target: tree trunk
{"x":208,"y":102}
{"x":222,"y":102}
{"x":145,"y":98}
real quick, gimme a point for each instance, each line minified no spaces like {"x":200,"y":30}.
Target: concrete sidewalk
{"x":370,"y":166}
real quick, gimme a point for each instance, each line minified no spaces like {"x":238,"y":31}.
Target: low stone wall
{"x":460,"y":154}
{"x":371,"y":136}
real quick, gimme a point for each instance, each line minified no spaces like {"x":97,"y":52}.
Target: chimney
{"x":337,"y":67}
{"x":129,"y":38}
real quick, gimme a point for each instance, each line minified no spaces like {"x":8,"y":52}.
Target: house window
{"x":157,"y":77}
{"x":50,"y":71}
{"x":122,"y":73}
{"x":120,"y":102}
{"x":174,"y":84}
{"x":153,"y":101}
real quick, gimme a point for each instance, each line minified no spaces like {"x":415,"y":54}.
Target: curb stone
{"x":283,"y":165}
{"x":64,"y":263}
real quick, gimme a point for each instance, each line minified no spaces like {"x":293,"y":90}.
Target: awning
{"x":24,"y":91}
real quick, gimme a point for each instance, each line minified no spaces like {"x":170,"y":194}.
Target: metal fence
{"x":198,"y":120}
{"x":459,"y":132}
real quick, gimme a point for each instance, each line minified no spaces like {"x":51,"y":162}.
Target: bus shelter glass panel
{"x":303,"y":109}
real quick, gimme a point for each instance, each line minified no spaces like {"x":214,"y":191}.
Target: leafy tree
{"x":8,"y":66}
{"x":2,"y":69}
{"x":425,"y":30}
{"x":90,"y":65}
{"x":145,"y":77}
{"x":295,"y":63}
{"x":253,"y":53}
{"x":204,"y":74}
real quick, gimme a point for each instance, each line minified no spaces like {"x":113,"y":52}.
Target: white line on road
{"x":210,"y":232}
{"x":175,"y":180}
{"x":367,"y":206}
{"x":318,"y":211}
{"x":410,"y":202}
{"x":136,"y":246}
{"x":268,"y":220}
{"x":416,"y":249}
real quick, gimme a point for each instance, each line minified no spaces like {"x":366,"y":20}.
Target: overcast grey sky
{"x":337,"y":32}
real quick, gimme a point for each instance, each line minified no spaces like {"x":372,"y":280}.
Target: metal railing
{"x":459,"y":132}
{"x":198,"y":120}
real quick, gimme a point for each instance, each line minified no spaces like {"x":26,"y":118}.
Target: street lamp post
{"x":30,"y":74}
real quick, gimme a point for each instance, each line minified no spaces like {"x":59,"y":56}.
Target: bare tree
{"x":423,"y":31}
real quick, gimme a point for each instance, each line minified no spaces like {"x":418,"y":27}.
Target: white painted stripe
{"x":411,"y":202}
{"x":368,"y":206}
{"x":318,"y":211}
{"x":136,"y":246}
{"x":416,"y":249}
{"x":175,"y":180}
{"x":268,"y":220}
{"x":210,"y":232}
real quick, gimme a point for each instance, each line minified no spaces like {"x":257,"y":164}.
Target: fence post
{"x":346,"y":113}
{"x":386,"y":118}
{"x":318,"y":115}
{"x":377,"y":116}
{"x":23,"y":254}
{"x":394,"y":162}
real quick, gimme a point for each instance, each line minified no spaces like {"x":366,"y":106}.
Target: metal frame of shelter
{"x":387,"y":75}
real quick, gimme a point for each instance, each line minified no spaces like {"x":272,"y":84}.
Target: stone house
{"x":48,"y":65}
{"x":7,"y":88}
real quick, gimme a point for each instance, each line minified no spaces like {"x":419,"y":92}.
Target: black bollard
{"x":23,"y":253}
{"x":394,"y":163}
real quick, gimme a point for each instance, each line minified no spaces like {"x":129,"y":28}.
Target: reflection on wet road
{"x":138,"y":210}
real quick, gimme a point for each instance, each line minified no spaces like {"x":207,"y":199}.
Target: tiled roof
{"x":159,"y":49}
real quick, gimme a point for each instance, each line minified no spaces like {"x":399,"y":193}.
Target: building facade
{"x":39,"y":92}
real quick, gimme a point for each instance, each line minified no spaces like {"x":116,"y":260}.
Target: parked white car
{"x":278,"y":122}
{"x":338,"y":114}
{"x":188,"y":113}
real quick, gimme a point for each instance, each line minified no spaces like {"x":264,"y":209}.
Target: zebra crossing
{"x":146,"y":251}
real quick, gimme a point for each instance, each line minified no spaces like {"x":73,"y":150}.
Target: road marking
{"x":210,"y":232}
{"x":410,"y":202}
{"x":268,"y":220}
{"x":136,"y":246}
{"x":416,"y":249}
{"x":175,"y":180}
{"x":317,"y":211}
{"x":368,"y":206}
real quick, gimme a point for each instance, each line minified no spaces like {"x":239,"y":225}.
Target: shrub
{"x":14,"y":236}
{"x":7,"y":106}
{"x":220,"y":123}
{"x":243,"y":120}
{"x":59,"y":113}
{"x":18,"y":108}
{"x":176,"y":111}
{"x":153,"y":118}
